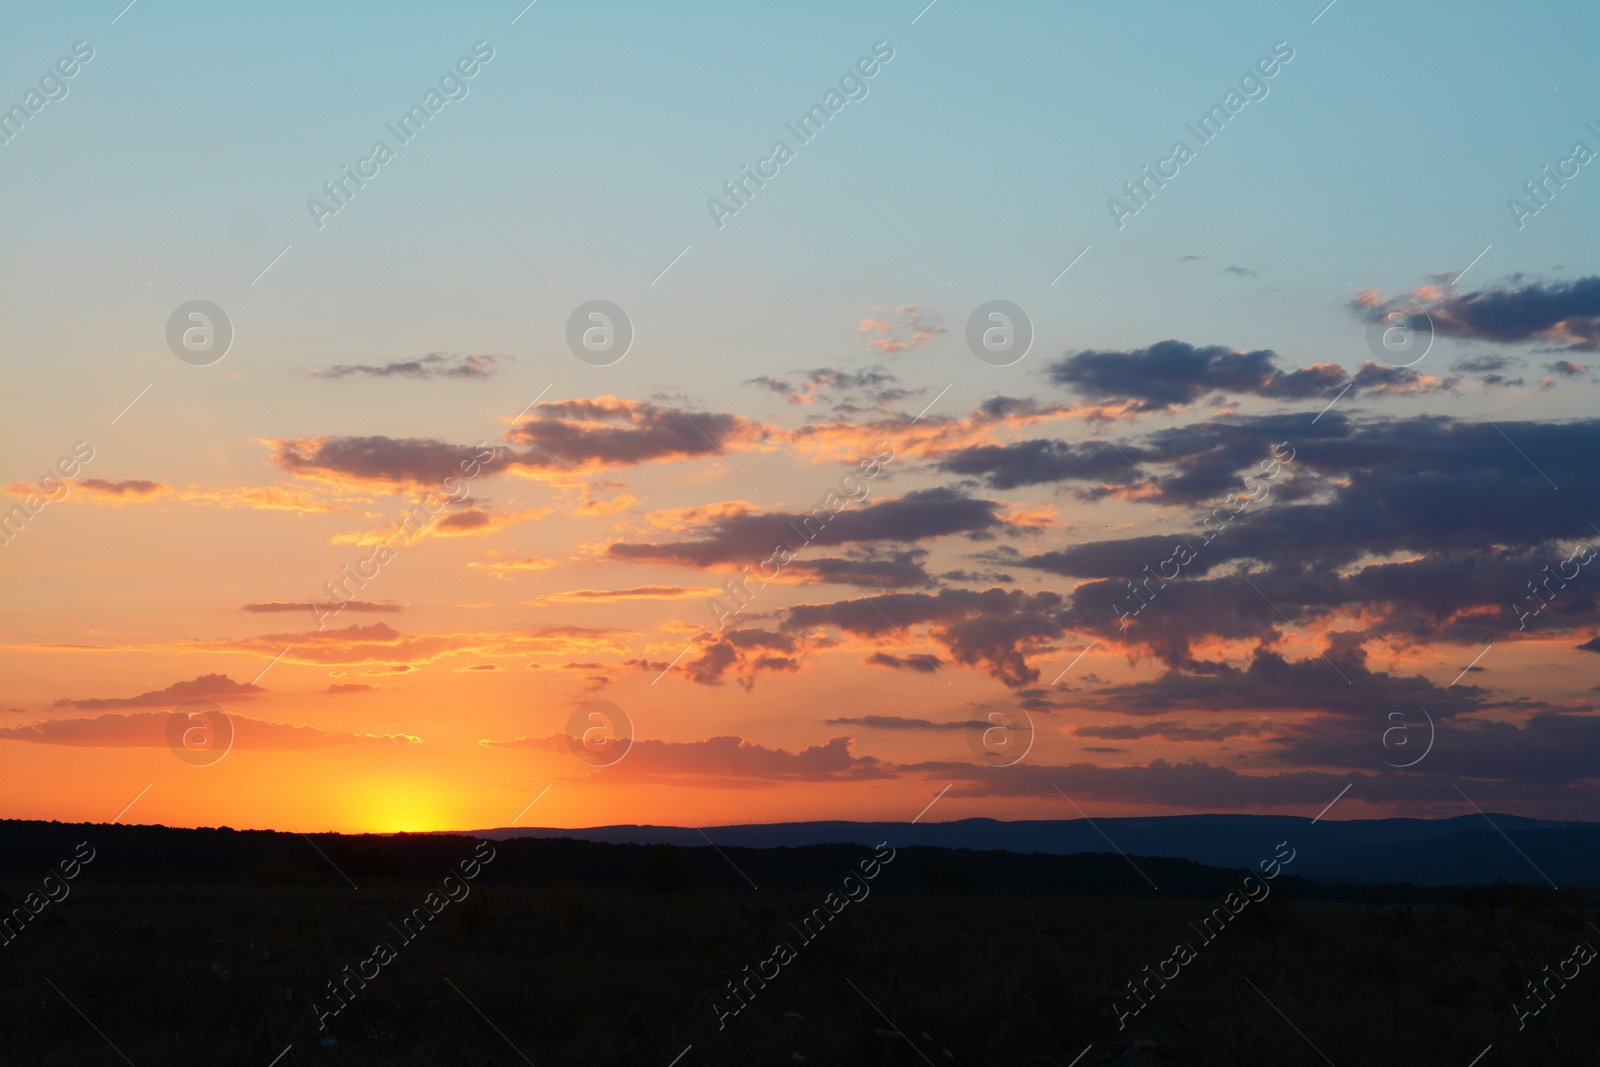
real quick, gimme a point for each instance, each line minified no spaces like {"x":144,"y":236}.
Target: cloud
{"x":638,"y":592}
{"x":338,"y":689}
{"x":129,"y":490}
{"x":432,"y":365}
{"x":871,"y":569}
{"x":205,"y":687}
{"x":746,"y":537}
{"x":897,"y":722}
{"x":1423,"y":529}
{"x":380,"y":645}
{"x":269,"y":607}
{"x":1547,"y":746}
{"x":505,"y":568}
{"x":148,"y":729}
{"x":1243,"y":272}
{"x":744,"y":653}
{"x":1566,"y":314}
{"x":1170,"y":374}
{"x":870,"y":390}
{"x":592,"y":435}
{"x":1168,"y":730}
{"x":927,"y":435}
{"x":1381,"y":380}
{"x":924,"y":664}
{"x":1488,"y":363}
{"x":728,"y":761}
{"x":284,"y":497}
{"x":390,"y":462}
{"x":1427,"y":483}
{"x":1043,"y":461}
{"x":1195,"y":785}
{"x":1337,"y":682}
{"x":908,"y":327}
{"x":470,"y":522}
{"x":138,"y":488}
{"x":996,"y":630}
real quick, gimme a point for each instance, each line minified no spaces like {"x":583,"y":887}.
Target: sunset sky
{"x":1403,"y":564}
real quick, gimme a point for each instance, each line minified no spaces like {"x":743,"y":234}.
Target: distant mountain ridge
{"x":1464,"y":850}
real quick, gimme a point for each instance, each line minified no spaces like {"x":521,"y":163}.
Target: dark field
{"x":221,"y":963}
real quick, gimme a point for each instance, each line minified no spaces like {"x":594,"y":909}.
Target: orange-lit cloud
{"x":379,"y":644}
{"x":501,"y":565}
{"x":270,"y":607}
{"x":908,"y":327}
{"x":638,"y":592}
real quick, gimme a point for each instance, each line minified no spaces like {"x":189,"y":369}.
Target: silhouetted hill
{"x":1466,"y":850}
{"x":1391,"y":870}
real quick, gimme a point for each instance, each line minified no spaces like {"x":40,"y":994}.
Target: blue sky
{"x":992,"y":141}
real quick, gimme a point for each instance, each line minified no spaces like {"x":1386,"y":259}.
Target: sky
{"x":1092,"y":410}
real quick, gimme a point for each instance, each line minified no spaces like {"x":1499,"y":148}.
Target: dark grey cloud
{"x":569,"y":435}
{"x":897,"y":722}
{"x":1475,"y":516}
{"x":1195,"y":785}
{"x":875,"y":570}
{"x":924,"y":664}
{"x":746,"y":654}
{"x":1173,"y":373}
{"x":750,"y":537}
{"x":1548,"y":745}
{"x":996,"y":630}
{"x":1043,"y":461}
{"x":1339,"y":684}
{"x":725,"y":761}
{"x":280,"y":606}
{"x":1487,"y":364}
{"x":564,"y":436}
{"x":1566,"y":314}
{"x":1167,"y":730}
{"x":1425,"y":484}
{"x":432,"y":365}
{"x":205,"y":687}
{"x":872,"y":390}
{"x":420,"y":461}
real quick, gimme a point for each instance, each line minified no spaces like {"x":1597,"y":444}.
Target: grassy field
{"x":563,"y":974}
